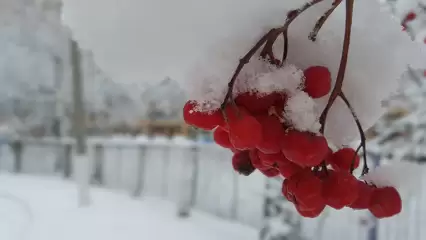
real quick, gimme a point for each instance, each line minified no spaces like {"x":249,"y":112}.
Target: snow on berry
{"x":205,"y":120}
{"x":302,"y":113}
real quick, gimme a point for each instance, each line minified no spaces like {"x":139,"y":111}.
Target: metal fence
{"x":203,"y":172}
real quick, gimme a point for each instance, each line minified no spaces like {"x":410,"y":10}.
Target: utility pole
{"x":81,"y":161}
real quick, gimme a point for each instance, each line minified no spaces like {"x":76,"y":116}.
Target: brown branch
{"x":343,"y":62}
{"x":268,"y":40}
{"x":243,"y":61}
{"x":322,"y":20}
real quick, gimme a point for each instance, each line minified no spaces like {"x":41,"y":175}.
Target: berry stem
{"x":322,"y":20}
{"x":361,"y":132}
{"x":343,"y":63}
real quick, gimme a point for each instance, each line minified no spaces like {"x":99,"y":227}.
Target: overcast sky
{"x":145,"y":40}
{"x":136,"y":40}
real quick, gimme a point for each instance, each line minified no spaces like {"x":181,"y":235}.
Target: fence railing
{"x":195,"y":175}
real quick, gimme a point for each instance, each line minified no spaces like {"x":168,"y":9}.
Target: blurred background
{"x":144,"y":173}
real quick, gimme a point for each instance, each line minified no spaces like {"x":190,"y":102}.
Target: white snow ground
{"x":42,"y":208}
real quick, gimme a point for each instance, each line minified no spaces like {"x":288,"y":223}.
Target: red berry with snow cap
{"x":204,"y":120}
{"x":255,"y":103}
{"x":317,"y":81}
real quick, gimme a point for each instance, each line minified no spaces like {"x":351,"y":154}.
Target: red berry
{"x":257,"y":104}
{"x":340,"y":189}
{"x":270,"y":172}
{"x":307,"y":190}
{"x":365,"y":192}
{"x":271,"y":159}
{"x":288,"y":169}
{"x":286,"y":193}
{"x":255,"y":160}
{"x":233,"y":113}
{"x":317,"y":81}
{"x":221,"y":137}
{"x":304,"y":148}
{"x":311,"y":213}
{"x":342,"y":159}
{"x":242,"y":164}
{"x":245,"y":133}
{"x":385,"y":202}
{"x":204,"y":120}
{"x":410,"y":17}
{"x":272,"y":131}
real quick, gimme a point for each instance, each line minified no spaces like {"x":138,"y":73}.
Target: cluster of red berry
{"x":253,"y":128}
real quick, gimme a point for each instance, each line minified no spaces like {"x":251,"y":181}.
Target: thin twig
{"x":343,"y":63}
{"x":361,"y":133}
{"x":322,"y":20}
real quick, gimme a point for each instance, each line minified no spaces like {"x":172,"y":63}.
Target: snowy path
{"x":54,"y":215}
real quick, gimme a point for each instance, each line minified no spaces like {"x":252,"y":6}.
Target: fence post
{"x":279,"y":213}
{"x":140,"y":171}
{"x":373,"y":231}
{"x":17,"y":149}
{"x":68,"y":160}
{"x":59,"y":155}
{"x":99,"y":157}
{"x":166,"y":168}
{"x":235,"y":196}
{"x":190,"y":185}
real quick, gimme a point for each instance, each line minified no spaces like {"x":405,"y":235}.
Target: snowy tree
{"x":400,"y":136}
